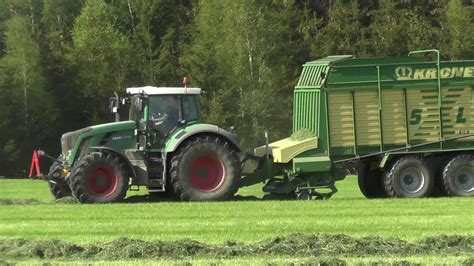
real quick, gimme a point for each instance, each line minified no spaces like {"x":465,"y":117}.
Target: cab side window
{"x":190,"y":112}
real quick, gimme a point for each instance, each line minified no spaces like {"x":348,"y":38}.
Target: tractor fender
{"x":181,"y":135}
{"x":122,"y":157}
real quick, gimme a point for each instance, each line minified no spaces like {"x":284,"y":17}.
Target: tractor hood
{"x":70,"y":140}
{"x":111,"y":127}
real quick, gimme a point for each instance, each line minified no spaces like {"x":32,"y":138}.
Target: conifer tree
{"x":458,"y":30}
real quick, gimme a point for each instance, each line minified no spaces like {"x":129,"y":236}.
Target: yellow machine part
{"x":286,"y":149}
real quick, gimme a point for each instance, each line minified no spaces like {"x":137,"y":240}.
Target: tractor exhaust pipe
{"x":267,"y":151}
{"x":117,"y":104}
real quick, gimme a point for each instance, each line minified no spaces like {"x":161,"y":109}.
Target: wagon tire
{"x":438,"y":189}
{"x":370,"y":181}
{"x":99,"y":178}
{"x":458,"y":176}
{"x":408,"y":177}
{"x":205,"y":168}
{"x":58,"y":187}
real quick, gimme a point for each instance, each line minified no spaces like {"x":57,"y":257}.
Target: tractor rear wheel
{"x":370,"y":181}
{"x":99,"y":178}
{"x":58,"y":187}
{"x":458,"y":176}
{"x":205,"y":168}
{"x":408,"y":177}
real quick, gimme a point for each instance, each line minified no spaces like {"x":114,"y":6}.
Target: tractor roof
{"x":150,"y":90}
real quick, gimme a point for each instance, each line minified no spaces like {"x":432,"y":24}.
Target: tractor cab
{"x":159,"y":111}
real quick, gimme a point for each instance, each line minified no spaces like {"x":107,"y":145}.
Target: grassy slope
{"x":347,"y":212}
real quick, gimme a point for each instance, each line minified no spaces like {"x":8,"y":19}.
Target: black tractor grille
{"x":69,"y":139}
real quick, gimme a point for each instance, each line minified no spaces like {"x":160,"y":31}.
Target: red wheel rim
{"x":102,"y":181}
{"x":207,"y":173}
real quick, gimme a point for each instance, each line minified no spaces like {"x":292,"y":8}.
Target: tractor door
{"x":168,"y":112}
{"x":164,"y":115}
{"x":137,"y":113}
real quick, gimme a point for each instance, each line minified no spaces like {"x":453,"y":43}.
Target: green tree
{"x":388,"y":30}
{"x":458,"y":31}
{"x":105,"y":57}
{"x":345,"y":32}
{"x":396,"y":30}
{"x":57,"y":22}
{"x":29,"y":113}
{"x":243,"y":54}
{"x":157,"y":30}
{"x":206,"y":66}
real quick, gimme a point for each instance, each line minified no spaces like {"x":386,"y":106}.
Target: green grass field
{"x":28,"y":211}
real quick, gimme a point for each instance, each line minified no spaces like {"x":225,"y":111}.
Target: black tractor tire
{"x":205,"y":168}
{"x":458,"y":176}
{"x":370,"y":181}
{"x":99,"y":178}
{"x":58,"y":187}
{"x":408,"y":177}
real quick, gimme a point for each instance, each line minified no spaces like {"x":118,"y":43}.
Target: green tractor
{"x":163,"y":146}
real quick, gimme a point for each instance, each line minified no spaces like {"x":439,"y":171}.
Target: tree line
{"x":60,"y":60}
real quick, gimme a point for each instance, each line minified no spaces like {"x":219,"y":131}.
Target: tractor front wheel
{"x":99,"y":178}
{"x":58,"y":187}
{"x":205,"y":168}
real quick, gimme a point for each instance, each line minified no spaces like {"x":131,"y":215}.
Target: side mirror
{"x":125,"y":101}
{"x":113,"y":105}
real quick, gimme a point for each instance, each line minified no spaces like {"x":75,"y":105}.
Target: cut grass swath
{"x":299,"y":245}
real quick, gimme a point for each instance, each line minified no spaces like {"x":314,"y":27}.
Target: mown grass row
{"x":297,"y":245}
{"x":264,"y":261}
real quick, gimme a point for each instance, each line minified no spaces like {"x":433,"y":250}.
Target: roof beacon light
{"x":185,"y":82}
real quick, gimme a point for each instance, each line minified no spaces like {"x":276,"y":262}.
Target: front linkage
{"x":57,"y":176}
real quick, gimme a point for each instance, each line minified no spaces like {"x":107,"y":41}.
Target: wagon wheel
{"x":458,"y":176}
{"x":408,"y":177}
{"x":370,"y":181}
